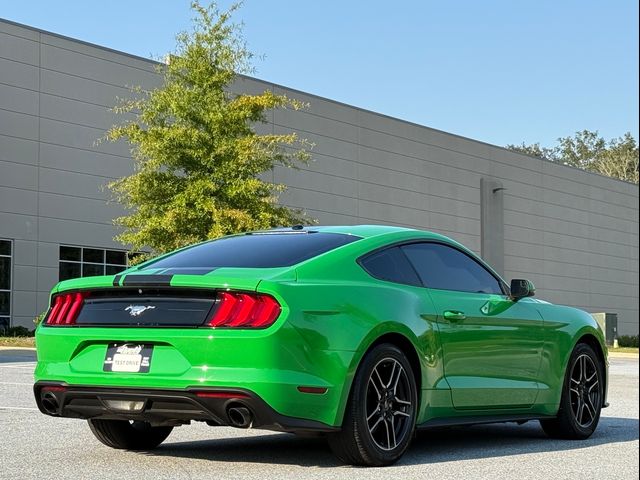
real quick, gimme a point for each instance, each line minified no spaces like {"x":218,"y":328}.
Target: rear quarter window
{"x":392,"y":265}
{"x":257,"y":250}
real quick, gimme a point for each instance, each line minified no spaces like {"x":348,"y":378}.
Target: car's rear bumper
{"x":276,"y":364}
{"x":166,"y":407}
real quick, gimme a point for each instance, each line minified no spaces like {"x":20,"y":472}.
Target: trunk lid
{"x":157,"y":298}
{"x":219,"y":278}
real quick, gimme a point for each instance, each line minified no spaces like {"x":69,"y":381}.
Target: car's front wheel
{"x":380,"y":416}
{"x":581,"y":400}
{"x":128,"y":435}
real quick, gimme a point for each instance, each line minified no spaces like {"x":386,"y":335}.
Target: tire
{"x":581,"y":400}
{"x":380,"y":415}
{"x":126,"y":435}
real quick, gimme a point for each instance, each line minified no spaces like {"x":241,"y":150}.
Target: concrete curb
{"x":17,"y":348}
{"x":622,"y":355}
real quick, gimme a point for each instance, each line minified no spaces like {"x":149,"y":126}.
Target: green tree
{"x":620,"y":160}
{"x":198,"y":158}
{"x":534,"y":150}
{"x":587,"y":150}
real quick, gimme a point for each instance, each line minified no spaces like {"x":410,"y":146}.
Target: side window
{"x":445,"y":268}
{"x":392,"y":265}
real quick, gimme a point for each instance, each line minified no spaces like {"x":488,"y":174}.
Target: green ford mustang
{"x":358,"y":333}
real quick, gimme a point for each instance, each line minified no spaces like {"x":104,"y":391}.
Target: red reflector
{"x":66,"y":308}
{"x":54,"y":388}
{"x":221,"y":395}
{"x":245,"y":310}
{"x":316,"y":390}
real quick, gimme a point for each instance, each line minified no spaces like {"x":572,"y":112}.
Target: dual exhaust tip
{"x":238,"y":415}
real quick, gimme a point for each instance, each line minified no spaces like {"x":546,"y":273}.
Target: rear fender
{"x":366,"y":344}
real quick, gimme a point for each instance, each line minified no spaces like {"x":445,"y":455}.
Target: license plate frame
{"x":128,"y":357}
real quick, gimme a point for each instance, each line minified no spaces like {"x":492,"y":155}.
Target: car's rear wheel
{"x":128,"y":435}
{"x":581,"y":400}
{"x":380,"y":416}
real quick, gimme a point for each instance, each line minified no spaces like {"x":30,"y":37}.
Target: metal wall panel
{"x":574,"y":233}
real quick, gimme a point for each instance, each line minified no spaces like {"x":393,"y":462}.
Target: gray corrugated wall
{"x":54,"y":99}
{"x":574,"y":234}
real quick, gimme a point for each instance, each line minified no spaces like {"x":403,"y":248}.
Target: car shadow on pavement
{"x":430,"y":446}
{"x":499,"y":440}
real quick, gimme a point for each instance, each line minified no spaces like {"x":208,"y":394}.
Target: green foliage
{"x":197,"y":155}
{"x":39,"y":318}
{"x":587,"y":150}
{"x":628,"y":341}
{"x":534,"y":150}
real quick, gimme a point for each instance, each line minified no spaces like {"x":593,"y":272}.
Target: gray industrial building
{"x":573,"y":233}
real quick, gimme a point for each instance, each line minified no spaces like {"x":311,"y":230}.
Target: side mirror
{"x":521,"y":288}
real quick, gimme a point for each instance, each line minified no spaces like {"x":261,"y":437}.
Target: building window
{"x":6,"y":251}
{"x":88,"y":262}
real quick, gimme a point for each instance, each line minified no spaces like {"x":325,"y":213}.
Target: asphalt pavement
{"x":35,"y":446}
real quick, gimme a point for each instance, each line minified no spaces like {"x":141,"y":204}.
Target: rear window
{"x":258,"y":250}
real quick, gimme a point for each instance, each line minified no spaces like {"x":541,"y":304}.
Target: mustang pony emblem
{"x":137,"y":310}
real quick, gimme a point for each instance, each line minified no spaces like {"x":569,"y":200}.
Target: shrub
{"x":19,"y":332}
{"x":628,"y":341}
{"x":39,"y":318}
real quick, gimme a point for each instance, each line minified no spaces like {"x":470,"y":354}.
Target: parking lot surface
{"x":35,"y":446}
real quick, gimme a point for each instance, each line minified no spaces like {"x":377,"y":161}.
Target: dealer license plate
{"x":128,"y":357}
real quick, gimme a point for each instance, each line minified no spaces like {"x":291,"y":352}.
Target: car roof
{"x":363,"y":231}
{"x":387,"y":233}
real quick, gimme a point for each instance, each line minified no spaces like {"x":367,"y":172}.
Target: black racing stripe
{"x":188,"y":270}
{"x":147,"y":280}
{"x":116,"y":280}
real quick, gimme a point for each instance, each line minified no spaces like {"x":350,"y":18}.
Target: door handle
{"x":454,"y":315}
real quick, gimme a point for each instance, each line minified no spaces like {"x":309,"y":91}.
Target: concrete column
{"x":492,"y":223}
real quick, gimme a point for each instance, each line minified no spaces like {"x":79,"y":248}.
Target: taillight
{"x":66,"y":308}
{"x":245,"y":310}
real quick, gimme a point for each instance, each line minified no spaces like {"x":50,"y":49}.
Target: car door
{"x":491,"y":345}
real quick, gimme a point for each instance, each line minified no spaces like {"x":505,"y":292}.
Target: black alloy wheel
{"x":380,"y":415}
